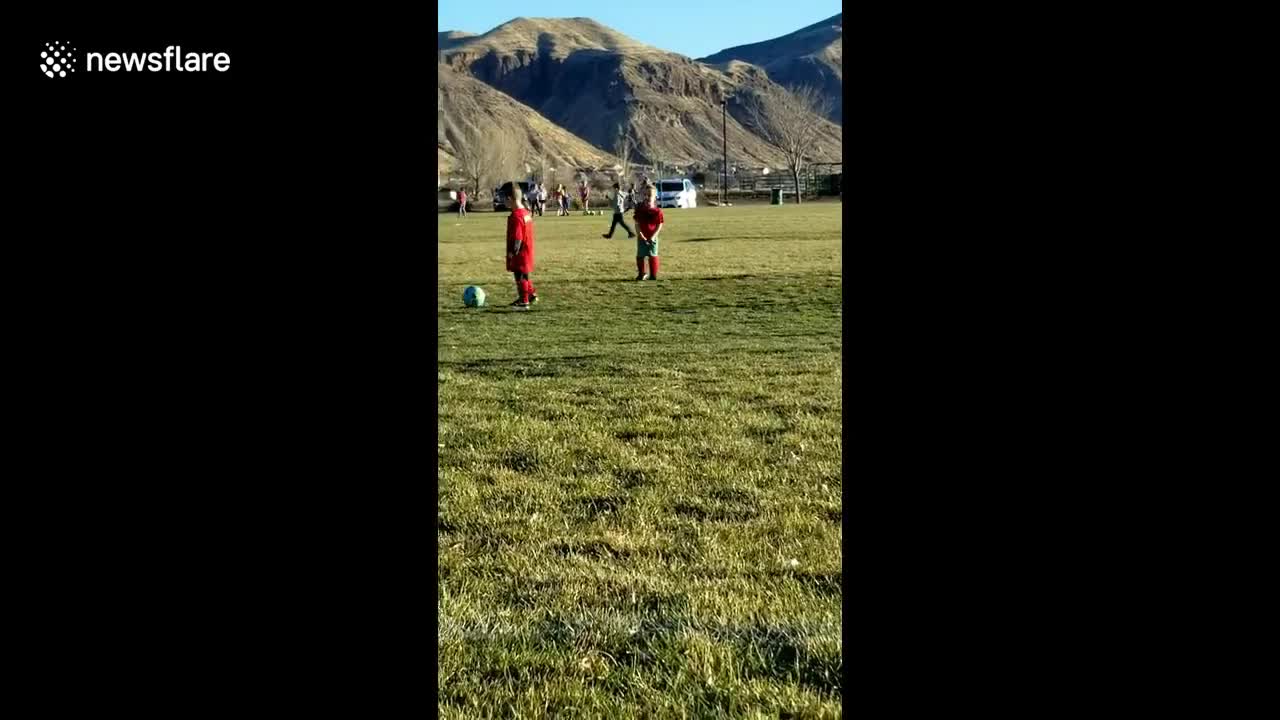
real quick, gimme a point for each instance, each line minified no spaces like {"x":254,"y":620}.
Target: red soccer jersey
{"x":520,"y":227}
{"x":648,"y":218}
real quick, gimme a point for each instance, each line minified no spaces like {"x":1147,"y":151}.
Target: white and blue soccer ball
{"x":473,"y":296}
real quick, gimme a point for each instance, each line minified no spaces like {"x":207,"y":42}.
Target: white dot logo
{"x":58,"y":59}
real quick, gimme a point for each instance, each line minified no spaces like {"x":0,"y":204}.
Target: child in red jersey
{"x":649,"y":220}
{"x":520,"y":249}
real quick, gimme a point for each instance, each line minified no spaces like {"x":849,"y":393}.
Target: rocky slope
{"x":809,"y":56}
{"x":464,"y":103}
{"x":591,"y":80}
{"x":450,"y":37}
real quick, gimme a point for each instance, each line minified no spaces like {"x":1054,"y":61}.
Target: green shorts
{"x":644,"y":249}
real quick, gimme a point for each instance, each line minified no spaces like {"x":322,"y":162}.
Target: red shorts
{"x":521,"y":262}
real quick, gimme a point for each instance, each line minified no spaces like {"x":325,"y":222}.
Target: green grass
{"x":627,"y":470}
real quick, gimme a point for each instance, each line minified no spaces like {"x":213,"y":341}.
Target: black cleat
{"x":607,"y":237}
{"x":533,"y":298}
{"x":640,"y":277}
{"x":653,"y":277}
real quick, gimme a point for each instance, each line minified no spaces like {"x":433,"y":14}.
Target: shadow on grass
{"x":777,"y":654}
{"x":550,"y":366}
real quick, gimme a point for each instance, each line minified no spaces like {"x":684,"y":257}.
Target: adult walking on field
{"x":533,"y":198}
{"x":619,"y":207}
{"x":462,"y":203}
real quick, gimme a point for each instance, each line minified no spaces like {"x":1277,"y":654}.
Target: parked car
{"x":501,"y":194}
{"x":446,"y":199}
{"x":677,"y":193}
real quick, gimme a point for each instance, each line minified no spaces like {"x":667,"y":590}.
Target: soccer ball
{"x":473,"y":296}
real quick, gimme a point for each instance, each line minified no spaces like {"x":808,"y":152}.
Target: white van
{"x":677,"y":193}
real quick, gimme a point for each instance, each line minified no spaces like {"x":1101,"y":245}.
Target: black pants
{"x":619,"y":220}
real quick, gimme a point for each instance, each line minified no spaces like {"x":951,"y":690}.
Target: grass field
{"x":639,"y":507}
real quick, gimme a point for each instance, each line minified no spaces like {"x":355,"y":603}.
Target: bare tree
{"x":657,"y":156}
{"x":486,"y":156}
{"x":536,"y":159}
{"x":626,"y":142}
{"x":622,"y":144}
{"x":791,"y":122}
{"x":469,"y":149}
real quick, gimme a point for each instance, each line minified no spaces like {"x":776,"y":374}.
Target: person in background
{"x":585,"y":193}
{"x":619,"y":207}
{"x":462,"y":202}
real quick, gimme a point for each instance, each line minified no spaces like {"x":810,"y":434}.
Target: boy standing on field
{"x":520,"y":249}
{"x":649,"y":222}
{"x":462,"y":202}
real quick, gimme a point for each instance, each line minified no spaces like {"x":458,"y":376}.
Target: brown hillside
{"x":809,"y":56}
{"x":450,"y":37}
{"x":466,"y":103}
{"x":590,"y":80}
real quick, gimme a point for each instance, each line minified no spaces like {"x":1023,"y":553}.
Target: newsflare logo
{"x":58,"y":59}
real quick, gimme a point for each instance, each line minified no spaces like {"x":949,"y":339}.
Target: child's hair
{"x":615,"y":186}
{"x":653,"y":192}
{"x":517,"y":195}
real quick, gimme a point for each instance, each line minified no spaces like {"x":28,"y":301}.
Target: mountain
{"x":449,"y":37}
{"x":561,"y":35}
{"x":591,"y":80}
{"x":464,"y":103}
{"x":812,"y":55}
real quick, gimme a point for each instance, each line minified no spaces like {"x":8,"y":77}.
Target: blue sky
{"x":696,"y":28}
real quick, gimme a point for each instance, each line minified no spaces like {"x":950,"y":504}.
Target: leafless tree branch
{"x":487,"y":156}
{"x":791,"y":122}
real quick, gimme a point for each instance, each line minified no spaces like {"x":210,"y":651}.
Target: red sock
{"x":640,"y":265}
{"x":653,"y":266}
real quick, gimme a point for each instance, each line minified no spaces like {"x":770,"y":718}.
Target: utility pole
{"x":724,"y":158}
